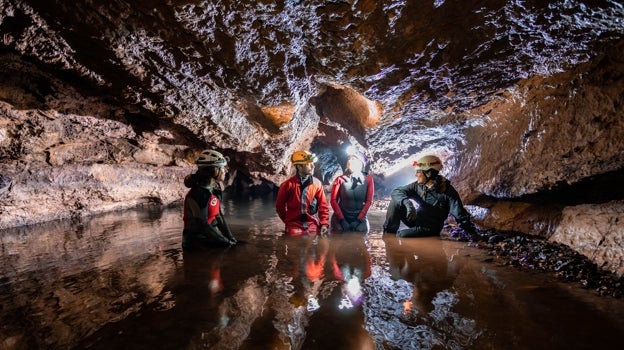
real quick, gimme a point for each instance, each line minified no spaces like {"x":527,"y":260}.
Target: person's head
{"x":303,"y":162}
{"x":356,"y":162}
{"x":212,"y":165}
{"x":427,"y":168}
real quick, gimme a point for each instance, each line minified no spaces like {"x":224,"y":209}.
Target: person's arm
{"x":369,"y":197}
{"x":459,"y":212}
{"x":196,"y":221}
{"x":401,"y":193}
{"x":225,"y":228}
{"x":216,"y":235}
{"x":280,"y":202}
{"x":323,"y":209}
{"x":334,"y":196}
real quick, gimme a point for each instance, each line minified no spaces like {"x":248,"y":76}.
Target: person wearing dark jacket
{"x":351,"y":196}
{"x":204,"y":223}
{"x":435,"y":199}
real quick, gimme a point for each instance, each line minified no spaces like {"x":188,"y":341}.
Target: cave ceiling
{"x":259,"y":79}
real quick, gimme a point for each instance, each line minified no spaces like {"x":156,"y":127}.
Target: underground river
{"x":120,"y":281}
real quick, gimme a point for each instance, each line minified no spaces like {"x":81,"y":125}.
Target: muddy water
{"x":120,"y":281}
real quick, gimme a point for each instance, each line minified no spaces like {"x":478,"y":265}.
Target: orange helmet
{"x":303,"y":157}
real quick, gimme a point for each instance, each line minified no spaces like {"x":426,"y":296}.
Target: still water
{"x":120,"y":281}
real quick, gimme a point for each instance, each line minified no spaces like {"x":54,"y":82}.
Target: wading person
{"x":204,"y":223}
{"x":351,"y":196}
{"x":435,"y":198}
{"x":301,"y":201}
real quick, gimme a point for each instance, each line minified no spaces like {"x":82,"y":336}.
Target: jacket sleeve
{"x":197,"y":222}
{"x":280,"y":202}
{"x":333,"y":197}
{"x":214,"y":234}
{"x":323,"y":209}
{"x":457,"y":209}
{"x":404,"y":192}
{"x":224,"y":227}
{"x":369,"y":197}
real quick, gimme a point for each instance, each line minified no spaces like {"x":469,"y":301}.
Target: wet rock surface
{"x":532,"y":253}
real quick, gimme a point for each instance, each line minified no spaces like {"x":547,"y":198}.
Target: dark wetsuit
{"x":432,"y":209}
{"x":351,"y":197}
{"x":204,"y":223}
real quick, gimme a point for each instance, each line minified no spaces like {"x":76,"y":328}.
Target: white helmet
{"x":210,"y":158}
{"x":428,"y":162}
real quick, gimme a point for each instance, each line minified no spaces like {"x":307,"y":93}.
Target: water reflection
{"x":60,"y":283}
{"x":121,"y":281}
{"x":411,"y":299}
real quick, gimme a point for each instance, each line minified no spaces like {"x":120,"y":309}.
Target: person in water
{"x":204,"y":223}
{"x":435,"y":198}
{"x":301,"y":203}
{"x":351,"y":196}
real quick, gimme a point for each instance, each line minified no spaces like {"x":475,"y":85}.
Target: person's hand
{"x":344,"y":224}
{"x":355,"y":224}
{"x":470,"y":231}
{"x":323,"y":230}
{"x":410,"y":210}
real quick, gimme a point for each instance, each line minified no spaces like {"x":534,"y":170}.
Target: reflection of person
{"x":351,"y":264}
{"x":425,"y":264}
{"x":351,"y":196}
{"x":301,"y":202}
{"x":204,"y":223}
{"x":436,"y":198}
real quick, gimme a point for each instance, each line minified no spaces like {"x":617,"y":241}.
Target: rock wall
{"x":595,"y":231}
{"x":68,"y":155}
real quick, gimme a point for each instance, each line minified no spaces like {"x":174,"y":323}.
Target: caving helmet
{"x":303,"y":157}
{"x":210,"y":158}
{"x":428,"y":162}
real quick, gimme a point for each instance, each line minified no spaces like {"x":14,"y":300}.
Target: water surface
{"x":120,"y":281}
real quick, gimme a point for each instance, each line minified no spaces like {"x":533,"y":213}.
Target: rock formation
{"x":105,"y":105}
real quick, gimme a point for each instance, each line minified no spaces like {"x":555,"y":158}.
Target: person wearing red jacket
{"x":351,"y":196}
{"x":301,"y":201}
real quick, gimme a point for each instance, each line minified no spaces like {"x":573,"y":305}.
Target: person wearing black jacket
{"x":425,"y":204}
{"x":204,"y":223}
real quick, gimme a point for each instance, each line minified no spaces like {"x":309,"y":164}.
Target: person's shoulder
{"x":340,"y":179}
{"x":290,"y":180}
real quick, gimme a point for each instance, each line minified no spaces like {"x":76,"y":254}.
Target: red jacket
{"x":290,"y":209}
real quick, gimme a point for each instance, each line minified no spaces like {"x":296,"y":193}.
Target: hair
{"x":209,"y":171}
{"x":439,"y":182}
